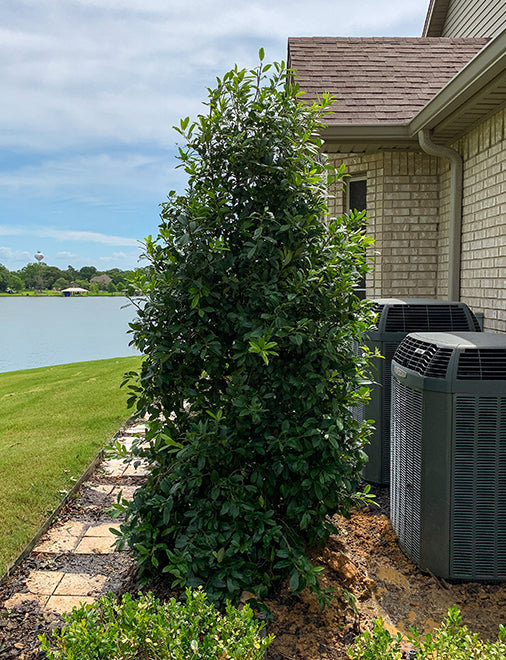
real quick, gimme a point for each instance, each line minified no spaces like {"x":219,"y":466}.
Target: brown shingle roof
{"x":377,"y":80}
{"x":104,"y":278}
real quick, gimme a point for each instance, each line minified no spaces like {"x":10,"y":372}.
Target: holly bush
{"x":247,"y":324}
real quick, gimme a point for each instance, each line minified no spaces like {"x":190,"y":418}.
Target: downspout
{"x":456,"y":188}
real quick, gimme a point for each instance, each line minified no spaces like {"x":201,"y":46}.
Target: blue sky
{"x":90,"y":91}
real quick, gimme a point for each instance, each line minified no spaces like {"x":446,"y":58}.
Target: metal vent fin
{"x":389,"y":349}
{"x":432,"y":318}
{"x":482,"y":364}
{"x":424,"y":358}
{"x":476,"y":324}
{"x":378,"y":308}
{"x":478,"y":549}
{"x":406,"y":468}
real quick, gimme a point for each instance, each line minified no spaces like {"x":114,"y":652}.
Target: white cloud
{"x":143,"y":171}
{"x":68,"y":235}
{"x":10,"y":231}
{"x":91,"y":89}
{"x":122,"y":260}
{"x":84,"y":236}
{"x":14,"y":256}
{"x":67,"y":255}
{"x":16,"y":259}
{"x":88,"y":70}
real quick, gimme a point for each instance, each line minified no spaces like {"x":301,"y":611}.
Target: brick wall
{"x":403,"y":207}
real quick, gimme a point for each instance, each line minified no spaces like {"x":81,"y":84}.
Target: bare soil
{"x":366,"y":561}
{"x":363,"y":560}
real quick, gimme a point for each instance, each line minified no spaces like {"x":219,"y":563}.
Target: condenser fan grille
{"x":424,"y":358}
{"x":431,"y":318}
{"x":482,"y":364}
{"x":478,"y":548}
{"x":388,"y":353}
{"x":406,"y":468}
{"x":357,"y":411}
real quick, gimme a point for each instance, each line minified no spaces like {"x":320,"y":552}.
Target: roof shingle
{"x":377,"y":80}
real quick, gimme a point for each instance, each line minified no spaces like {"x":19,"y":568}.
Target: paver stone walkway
{"x":76,"y":559}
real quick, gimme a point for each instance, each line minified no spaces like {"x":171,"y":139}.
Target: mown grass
{"x":53,"y":422}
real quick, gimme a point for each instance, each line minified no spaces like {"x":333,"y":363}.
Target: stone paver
{"x":96,"y":545}
{"x":44,"y":582}
{"x":82,"y":584}
{"x":114,"y":467}
{"x":19,"y":599}
{"x":102,"y":529}
{"x":139,"y":471}
{"x":62,"y":538}
{"x":61,"y":590}
{"x":103,"y":489}
{"x":127,"y":492}
{"x":65,"y":604}
{"x":136,"y":429}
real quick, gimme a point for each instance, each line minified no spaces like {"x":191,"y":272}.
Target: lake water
{"x":40,"y":332}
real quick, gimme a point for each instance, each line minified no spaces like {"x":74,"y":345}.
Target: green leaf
{"x":294,"y":580}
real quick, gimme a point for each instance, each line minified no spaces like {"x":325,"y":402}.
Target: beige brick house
{"x":421,"y":126}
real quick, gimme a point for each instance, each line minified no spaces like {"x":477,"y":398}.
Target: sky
{"x":90,"y":91}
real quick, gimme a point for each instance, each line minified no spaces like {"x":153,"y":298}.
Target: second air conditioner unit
{"x":396,"y":318}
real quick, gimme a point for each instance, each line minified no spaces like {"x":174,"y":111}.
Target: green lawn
{"x":53,"y":422}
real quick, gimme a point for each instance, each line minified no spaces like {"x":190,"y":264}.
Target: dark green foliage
{"x":87,"y":272}
{"x":4,"y":278}
{"x":247,"y":328}
{"x":61,"y":283}
{"x":145,"y":628}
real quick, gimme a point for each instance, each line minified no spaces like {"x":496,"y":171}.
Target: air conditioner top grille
{"x":482,"y":364}
{"x":431,"y":318}
{"x":405,"y":315}
{"x":378,"y":308}
{"x":459,"y":356}
{"x":424,"y":358}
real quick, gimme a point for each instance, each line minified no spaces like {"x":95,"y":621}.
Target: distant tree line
{"x":40,"y":276}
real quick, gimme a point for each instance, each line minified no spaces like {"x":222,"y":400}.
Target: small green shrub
{"x":377,"y":645}
{"x":147,"y":628}
{"x":451,"y":641}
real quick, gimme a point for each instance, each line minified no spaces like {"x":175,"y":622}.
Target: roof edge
{"x":479,"y":72}
{"x":488,"y":63}
{"x":435,"y":19}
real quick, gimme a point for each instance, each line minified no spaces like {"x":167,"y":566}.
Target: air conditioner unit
{"x":448,"y":454}
{"x":396,"y":318}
